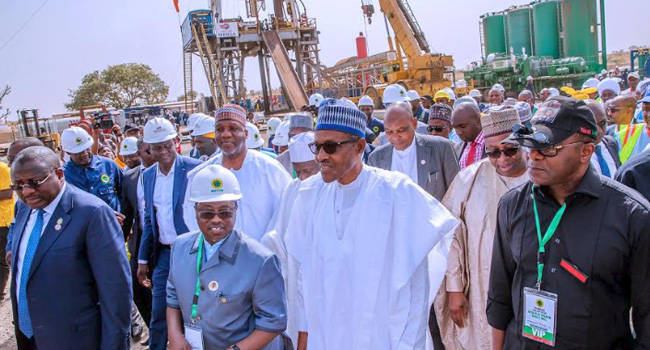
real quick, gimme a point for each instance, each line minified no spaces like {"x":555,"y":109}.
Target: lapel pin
{"x":423,"y":162}
{"x":213,"y":286}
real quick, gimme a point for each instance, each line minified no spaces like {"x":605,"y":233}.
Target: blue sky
{"x":67,"y":39}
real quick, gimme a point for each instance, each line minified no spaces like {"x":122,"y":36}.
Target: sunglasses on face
{"x":223,"y":215}
{"x":432,"y":128}
{"x":30,"y":184}
{"x":329,"y":147}
{"x":550,"y":152}
{"x":496,"y":154}
{"x":613,"y":109}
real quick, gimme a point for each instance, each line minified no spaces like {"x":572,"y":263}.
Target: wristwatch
{"x":234,"y":346}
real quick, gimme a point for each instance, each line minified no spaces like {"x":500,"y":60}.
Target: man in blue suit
{"x":71,"y":283}
{"x":164,"y":193}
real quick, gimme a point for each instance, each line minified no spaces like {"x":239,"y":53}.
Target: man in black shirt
{"x":574,"y":290}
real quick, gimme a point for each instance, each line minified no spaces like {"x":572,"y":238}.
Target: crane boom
{"x":407,"y":30}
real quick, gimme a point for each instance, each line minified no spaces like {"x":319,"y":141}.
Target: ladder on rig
{"x":212,"y":70}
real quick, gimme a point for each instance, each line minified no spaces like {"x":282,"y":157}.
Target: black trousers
{"x":4,"y":268}
{"x":435,"y":330}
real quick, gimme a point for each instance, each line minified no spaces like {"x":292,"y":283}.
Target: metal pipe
{"x":603,"y":34}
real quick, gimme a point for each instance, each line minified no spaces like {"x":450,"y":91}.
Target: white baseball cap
{"x":395,"y":93}
{"x":315,"y":100}
{"x":75,"y":140}
{"x":158,"y":130}
{"x":191,"y":121}
{"x":282,"y":135}
{"x":272,"y":125}
{"x":214,"y":183}
{"x":366,"y":101}
{"x":203,"y":126}
{"x":299,"y":151}
{"x":129,"y":146}
{"x":413,"y":95}
{"x":254,"y":139}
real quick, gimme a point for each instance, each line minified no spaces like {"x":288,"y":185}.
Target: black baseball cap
{"x":555,"y":121}
{"x":427,"y":97}
{"x":130,"y":126}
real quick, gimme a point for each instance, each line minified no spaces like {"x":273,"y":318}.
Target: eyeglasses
{"x":223,"y":215}
{"x":613,"y":109}
{"x":30,"y":184}
{"x":436,"y":128}
{"x":329,"y":147}
{"x":553,"y":150}
{"x":496,"y":154}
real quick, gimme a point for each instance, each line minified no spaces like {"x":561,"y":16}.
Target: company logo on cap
{"x":217,"y":183}
{"x":588,"y":131}
{"x":78,"y":140}
{"x":105,"y":178}
{"x":256,"y":137}
{"x":159,"y":129}
{"x":125,"y":146}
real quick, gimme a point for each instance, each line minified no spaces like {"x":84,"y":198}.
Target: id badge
{"x":194,"y":336}
{"x":540,"y":311}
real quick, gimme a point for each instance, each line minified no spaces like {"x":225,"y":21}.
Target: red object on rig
{"x":362,"y":46}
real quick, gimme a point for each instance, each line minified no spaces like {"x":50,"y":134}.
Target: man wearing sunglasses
{"x":632,"y":138}
{"x":429,"y":161}
{"x":164,"y":185}
{"x":225,"y":290}
{"x":439,"y":123}
{"x":474,"y":197}
{"x":571,"y":248}
{"x":70,"y":275}
{"x":365,"y":231}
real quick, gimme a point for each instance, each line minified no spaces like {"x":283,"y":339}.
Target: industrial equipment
{"x":641,"y":55}
{"x":33,"y":126}
{"x":553,"y":41}
{"x":409,"y":61}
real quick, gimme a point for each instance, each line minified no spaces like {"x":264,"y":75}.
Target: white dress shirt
{"x":405,"y":161}
{"x":163,"y":198}
{"x":608,"y":159}
{"x":27,"y":232}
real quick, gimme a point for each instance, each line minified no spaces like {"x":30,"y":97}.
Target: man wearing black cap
{"x":132,"y":130}
{"x":571,"y":249}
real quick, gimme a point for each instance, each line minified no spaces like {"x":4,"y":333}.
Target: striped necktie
{"x":24,"y":319}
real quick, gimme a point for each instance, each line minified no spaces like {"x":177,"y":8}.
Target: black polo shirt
{"x":635,"y":173}
{"x":605,"y":233}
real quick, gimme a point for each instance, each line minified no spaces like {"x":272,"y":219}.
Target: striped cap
{"x":499,"y":121}
{"x":339,"y":116}
{"x":302,"y":120}
{"x":440,"y":111}
{"x":231,"y":112}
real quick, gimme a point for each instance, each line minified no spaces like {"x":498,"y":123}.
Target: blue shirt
{"x":376,"y":125}
{"x":422,"y":115}
{"x":102,"y":178}
{"x":211,"y":249}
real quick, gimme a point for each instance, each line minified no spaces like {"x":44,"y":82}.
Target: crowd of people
{"x":449,"y":223}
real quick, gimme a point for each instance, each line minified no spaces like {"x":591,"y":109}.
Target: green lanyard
{"x":199,"y":262}
{"x":547,"y":236}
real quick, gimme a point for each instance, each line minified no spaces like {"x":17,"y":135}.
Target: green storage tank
{"x":580,"y":30}
{"x":494,"y":34}
{"x":518,"y":29}
{"x":546,"y":29}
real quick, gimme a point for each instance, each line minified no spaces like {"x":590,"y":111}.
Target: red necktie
{"x":471,"y":154}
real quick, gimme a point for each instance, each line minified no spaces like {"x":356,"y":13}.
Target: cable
{"x":23,"y":26}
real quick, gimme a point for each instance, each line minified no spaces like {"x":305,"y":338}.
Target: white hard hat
{"x":395,"y":93}
{"x":282,"y":135}
{"x":315,"y":100}
{"x":254,"y":139}
{"x":366,"y":101}
{"x":203,"y":126}
{"x":75,"y":140}
{"x":475,"y":93}
{"x":191,"y":121}
{"x":349,"y":103}
{"x":129,"y":146}
{"x":498,"y":87}
{"x":272,"y":125}
{"x":465,"y":99}
{"x":450,"y":92}
{"x":413,"y":95}
{"x":591,"y":83}
{"x":299,"y":151}
{"x":158,"y":130}
{"x":529,"y":78}
{"x":214,"y":183}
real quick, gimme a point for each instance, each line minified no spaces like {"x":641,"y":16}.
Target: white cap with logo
{"x":75,"y":140}
{"x":203,"y":126}
{"x":129,"y":146}
{"x":159,"y":130}
{"x":254,"y":138}
{"x":214,"y":183}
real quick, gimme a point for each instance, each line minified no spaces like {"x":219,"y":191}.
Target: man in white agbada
{"x":262,"y":179}
{"x":305,"y":166}
{"x":361,"y":236}
{"x":474,"y":197}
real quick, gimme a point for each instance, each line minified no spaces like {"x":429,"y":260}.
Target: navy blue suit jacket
{"x":79,"y":288}
{"x":149,"y":241}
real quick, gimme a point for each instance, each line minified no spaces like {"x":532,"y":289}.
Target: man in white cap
{"x":419,"y":112}
{"x":608,"y":89}
{"x":528,"y":97}
{"x":298,"y":124}
{"x":191,"y":123}
{"x":129,"y":152}
{"x":305,"y":166}
{"x":474,"y":197}
{"x":271,"y":128}
{"x":262,"y":179}
{"x":255,"y":141}
{"x":165,"y":185}
{"x":530,"y":86}
{"x":203,"y":135}
{"x":315,"y":101}
{"x":358,"y":228}
{"x":367,"y":106}
{"x":633,"y":80}
{"x":225,"y":290}
{"x":92,"y":173}
{"x":495,"y":96}
{"x":478,"y":97}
